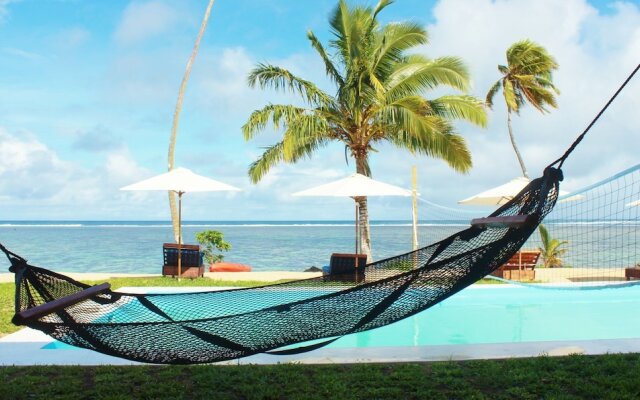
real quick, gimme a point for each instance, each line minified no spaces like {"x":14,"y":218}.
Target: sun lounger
{"x":191,"y":260}
{"x":347,"y":267}
{"x":520,"y":267}
{"x":633,"y":272}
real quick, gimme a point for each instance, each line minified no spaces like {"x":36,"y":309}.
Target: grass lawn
{"x":7,"y":297}
{"x":572,"y":377}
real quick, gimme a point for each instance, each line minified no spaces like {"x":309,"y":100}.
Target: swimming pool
{"x":484,"y":314}
{"x":513,"y":314}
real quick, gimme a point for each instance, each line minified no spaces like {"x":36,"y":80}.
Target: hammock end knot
{"x":554,"y":173}
{"x":17,"y":265}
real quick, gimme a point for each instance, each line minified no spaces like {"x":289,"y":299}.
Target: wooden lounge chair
{"x":347,"y":267}
{"x":632,"y":272}
{"x":521,"y":266}
{"x":191,"y":260}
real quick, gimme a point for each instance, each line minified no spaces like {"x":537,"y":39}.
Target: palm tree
{"x":377,"y":98}
{"x":525,"y":78}
{"x":551,"y":251}
{"x":176,"y":117}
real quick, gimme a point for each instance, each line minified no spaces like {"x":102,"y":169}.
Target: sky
{"x":88,"y":91}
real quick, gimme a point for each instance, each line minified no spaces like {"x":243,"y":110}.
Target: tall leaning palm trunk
{"x":176,"y":118}
{"x":515,"y":147}
{"x":525,"y":79}
{"x":379,"y":82}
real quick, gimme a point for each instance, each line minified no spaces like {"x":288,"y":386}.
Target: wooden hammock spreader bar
{"x":509,"y":221}
{"x":36,"y":312}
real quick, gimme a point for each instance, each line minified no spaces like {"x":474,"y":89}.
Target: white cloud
{"x":28,"y":169}
{"x":35,"y":183}
{"x":143,"y":20}
{"x":220,"y":80}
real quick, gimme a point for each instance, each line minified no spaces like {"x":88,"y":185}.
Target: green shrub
{"x":213,"y":243}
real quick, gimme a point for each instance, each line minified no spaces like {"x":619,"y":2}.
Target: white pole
{"x":414,"y":195}
{"x":357,"y":228}
{"x":179,"y":234}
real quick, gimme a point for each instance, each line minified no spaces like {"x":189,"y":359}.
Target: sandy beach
{"x":262,"y":276}
{"x":542,"y":275}
{"x":576,"y":275}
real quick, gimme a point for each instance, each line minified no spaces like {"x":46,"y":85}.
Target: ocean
{"x":136,"y":246}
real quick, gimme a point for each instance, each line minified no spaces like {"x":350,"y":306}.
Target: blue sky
{"x":88,"y":89}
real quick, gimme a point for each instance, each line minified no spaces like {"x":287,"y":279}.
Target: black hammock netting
{"x":204,"y":327}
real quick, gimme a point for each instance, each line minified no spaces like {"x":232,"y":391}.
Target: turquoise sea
{"x":136,"y":246}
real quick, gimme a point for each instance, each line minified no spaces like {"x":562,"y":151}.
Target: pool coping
{"x":24,"y":348}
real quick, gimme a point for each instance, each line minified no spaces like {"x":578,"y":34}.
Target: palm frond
{"x":330,"y":68}
{"x":277,"y":114}
{"x":429,"y":135}
{"x":413,"y":77}
{"x":416,"y":104}
{"x":510,"y":96}
{"x":271,"y":156}
{"x":275,"y":154}
{"x":340,"y":22}
{"x":277,"y":78}
{"x":460,"y":107}
{"x":546,"y":82}
{"x":394,"y":40}
{"x":382,"y":4}
{"x":305,"y":129}
{"x":492,"y":92}
{"x":539,"y":98}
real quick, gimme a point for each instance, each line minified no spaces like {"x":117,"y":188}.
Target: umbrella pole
{"x":357,"y":233}
{"x":179,"y":235}
{"x":357,"y":228}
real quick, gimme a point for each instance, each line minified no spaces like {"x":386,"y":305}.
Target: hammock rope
{"x":560,"y":161}
{"x":212,"y":326}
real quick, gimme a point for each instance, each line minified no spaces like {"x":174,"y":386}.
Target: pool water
{"x":513,"y":314}
{"x":508,"y":314}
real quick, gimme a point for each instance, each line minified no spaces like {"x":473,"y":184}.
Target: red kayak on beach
{"x":229,"y":267}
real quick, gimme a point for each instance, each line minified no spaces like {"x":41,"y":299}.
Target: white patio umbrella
{"x":180,"y":181}
{"x":499,"y":195}
{"x":355,"y":185}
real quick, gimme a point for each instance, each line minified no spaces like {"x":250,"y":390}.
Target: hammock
{"x":205,"y":327}
{"x":220,"y":325}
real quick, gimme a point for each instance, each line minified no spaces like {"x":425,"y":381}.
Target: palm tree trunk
{"x":515,"y":148}
{"x":176,"y":118}
{"x":363,"y":213}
